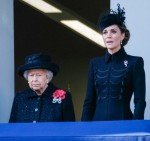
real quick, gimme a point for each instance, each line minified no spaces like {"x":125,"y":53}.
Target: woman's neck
{"x":114,"y":50}
{"x":40,"y":91}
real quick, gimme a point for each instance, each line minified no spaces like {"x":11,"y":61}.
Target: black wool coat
{"x":112,"y":80}
{"x":29,"y":107}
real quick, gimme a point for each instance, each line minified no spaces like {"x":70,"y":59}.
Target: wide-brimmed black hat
{"x":112,"y":17}
{"x":38,"y":61}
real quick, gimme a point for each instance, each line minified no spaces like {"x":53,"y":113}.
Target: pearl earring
{"x":121,"y":42}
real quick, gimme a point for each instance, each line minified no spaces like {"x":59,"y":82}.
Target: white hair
{"x":49,"y":75}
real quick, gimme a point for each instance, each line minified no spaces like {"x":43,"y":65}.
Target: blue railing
{"x":134,"y":130}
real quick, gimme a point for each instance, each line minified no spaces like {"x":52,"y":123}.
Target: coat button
{"x":36,"y":109}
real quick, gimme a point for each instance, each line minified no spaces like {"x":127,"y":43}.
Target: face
{"x":38,"y":79}
{"x":112,"y":37}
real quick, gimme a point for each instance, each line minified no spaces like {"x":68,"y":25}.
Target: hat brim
{"x":48,"y":66}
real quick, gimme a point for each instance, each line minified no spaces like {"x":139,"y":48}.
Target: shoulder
{"x":68,"y":93}
{"x":23,"y":93}
{"x":135,"y":60}
{"x":96,"y":60}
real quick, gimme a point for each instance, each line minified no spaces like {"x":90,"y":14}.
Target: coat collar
{"x":48,"y":92}
{"x":116,"y":56}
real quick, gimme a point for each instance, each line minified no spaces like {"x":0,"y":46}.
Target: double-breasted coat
{"x":112,"y":80}
{"x":29,"y":107}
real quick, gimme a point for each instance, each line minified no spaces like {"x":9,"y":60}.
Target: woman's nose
{"x":109,"y":34}
{"x":35,"y":78}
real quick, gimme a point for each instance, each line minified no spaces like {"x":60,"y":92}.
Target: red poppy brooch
{"x":58,"y":96}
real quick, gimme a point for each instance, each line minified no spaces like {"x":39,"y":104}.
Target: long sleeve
{"x":68,"y":108}
{"x":13,"y":111}
{"x":139,"y":89}
{"x":89,"y":103}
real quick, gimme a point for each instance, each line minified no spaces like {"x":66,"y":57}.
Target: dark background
{"x":37,"y":33}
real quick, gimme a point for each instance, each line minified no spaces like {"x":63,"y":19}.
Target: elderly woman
{"x":42,"y":102}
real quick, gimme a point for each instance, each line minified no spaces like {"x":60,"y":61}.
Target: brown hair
{"x":127,"y":34}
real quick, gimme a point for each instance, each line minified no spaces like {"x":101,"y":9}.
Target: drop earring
{"x":121,"y":42}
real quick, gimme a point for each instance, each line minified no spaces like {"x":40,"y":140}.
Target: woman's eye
{"x":114,"y":31}
{"x":104,"y":32}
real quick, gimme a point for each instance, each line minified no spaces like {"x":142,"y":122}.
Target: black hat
{"x":112,"y":17}
{"x":38,"y":61}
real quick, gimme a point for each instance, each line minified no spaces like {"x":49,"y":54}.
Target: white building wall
{"x":6,"y":59}
{"x":137,"y":21}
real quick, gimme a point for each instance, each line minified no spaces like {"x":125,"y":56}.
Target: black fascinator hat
{"x":112,"y":17}
{"x":38,"y":61}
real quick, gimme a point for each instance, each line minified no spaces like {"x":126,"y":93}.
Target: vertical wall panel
{"x":6,"y":58}
{"x":137,"y":21}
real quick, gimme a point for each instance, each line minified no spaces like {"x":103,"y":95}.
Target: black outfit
{"x":29,"y":107}
{"x":112,"y":80}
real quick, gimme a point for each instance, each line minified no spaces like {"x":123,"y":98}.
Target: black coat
{"x":29,"y":107}
{"x":112,"y":80}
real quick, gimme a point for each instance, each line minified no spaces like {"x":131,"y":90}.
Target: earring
{"x":121,"y":42}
